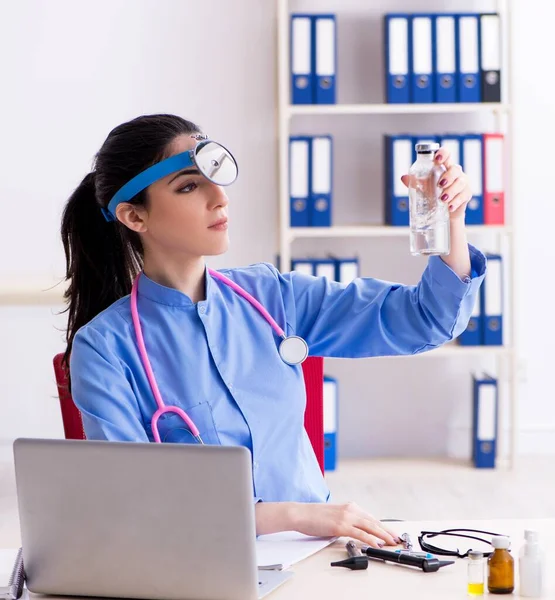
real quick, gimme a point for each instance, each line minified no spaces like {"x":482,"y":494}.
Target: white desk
{"x":314,"y":578}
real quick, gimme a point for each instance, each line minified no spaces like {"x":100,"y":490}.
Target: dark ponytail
{"x":102,"y":258}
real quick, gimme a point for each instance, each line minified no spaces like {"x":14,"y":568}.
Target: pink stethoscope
{"x":292,"y":349}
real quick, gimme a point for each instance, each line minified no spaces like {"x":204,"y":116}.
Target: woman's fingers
{"x":364,"y":537}
{"x":370,"y":524}
{"x":345,"y":520}
{"x":458,"y":201}
{"x":450,"y":191}
{"x":374,"y":527}
{"x":353,"y":515}
{"x":452,"y":174}
{"x":443,"y":157}
{"x":393,"y":534}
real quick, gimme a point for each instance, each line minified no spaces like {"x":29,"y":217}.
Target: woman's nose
{"x":219,"y":197}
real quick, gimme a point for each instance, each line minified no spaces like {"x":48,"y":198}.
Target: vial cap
{"x":427,"y":147}
{"x":475,"y":555}
{"x":530,"y":535}
{"x":500,"y":542}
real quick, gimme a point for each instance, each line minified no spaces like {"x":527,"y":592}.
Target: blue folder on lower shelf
{"x":492,"y":302}
{"x":321,"y":181}
{"x":398,"y":159}
{"x":299,"y":180}
{"x":484,"y":422}
{"x":304,"y":266}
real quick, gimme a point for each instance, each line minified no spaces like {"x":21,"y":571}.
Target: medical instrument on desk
{"x":14,"y":589}
{"x":501,"y":567}
{"x":406,"y":541}
{"x":218,"y":165}
{"x":356,"y":561}
{"x":428,"y":565}
{"x":352,"y":549}
{"x":476,"y":573}
{"x":408,"y":547}
{"x":415,"y":553}
{"x":426,"y":546}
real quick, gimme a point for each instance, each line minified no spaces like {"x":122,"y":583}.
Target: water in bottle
{"x":429,"y":215}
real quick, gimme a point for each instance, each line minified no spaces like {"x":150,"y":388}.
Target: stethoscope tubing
{"x":162,"y":408}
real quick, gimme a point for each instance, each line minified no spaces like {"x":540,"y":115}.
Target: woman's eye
{"x":190,"y":187}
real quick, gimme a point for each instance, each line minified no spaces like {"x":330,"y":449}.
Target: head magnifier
{"x":212,"y":160}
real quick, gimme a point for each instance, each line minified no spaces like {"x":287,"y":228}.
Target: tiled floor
{"x":401,"y":489}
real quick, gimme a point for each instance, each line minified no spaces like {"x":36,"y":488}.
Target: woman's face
{"x":185,"y":211}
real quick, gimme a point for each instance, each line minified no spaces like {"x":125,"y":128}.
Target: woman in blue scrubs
{"x":212,"y":353}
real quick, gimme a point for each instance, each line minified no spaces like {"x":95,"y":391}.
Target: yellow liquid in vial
{"x":475,"y":589}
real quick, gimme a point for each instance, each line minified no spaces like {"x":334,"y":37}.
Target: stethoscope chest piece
{"x":293,"y":350}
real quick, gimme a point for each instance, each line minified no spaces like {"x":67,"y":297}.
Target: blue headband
{"x":146,"y":178}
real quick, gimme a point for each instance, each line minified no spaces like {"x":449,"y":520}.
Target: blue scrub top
{"x":219,"y":361}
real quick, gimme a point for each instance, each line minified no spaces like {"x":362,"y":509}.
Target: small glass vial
{"x":429,"y":215}
{"x":501,"y":567}
{"x":476,"y":573}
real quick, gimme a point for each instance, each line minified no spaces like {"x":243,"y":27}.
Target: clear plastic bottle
{"x":501,"y":567}
{"x":429,"y":215}
{"x":531,"y":566}
{"x":476,"y":573}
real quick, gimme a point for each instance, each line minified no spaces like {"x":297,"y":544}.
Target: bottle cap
{"x":427,"y":147}
{"x":475,"y":555}
{"x":500,"y":542}
{"x":530,"y":535}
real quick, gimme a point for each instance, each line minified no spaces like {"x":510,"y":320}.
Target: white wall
{"x":534,"y":134}
{"x":73,"y":70}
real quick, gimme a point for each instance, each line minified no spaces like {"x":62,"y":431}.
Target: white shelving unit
{"x":505,"y":356}
{"x":394,"y":109}
{"x":363,"y":231}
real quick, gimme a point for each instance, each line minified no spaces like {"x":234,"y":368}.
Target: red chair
{"x":313,"y":371}
{"x":71,"y":417}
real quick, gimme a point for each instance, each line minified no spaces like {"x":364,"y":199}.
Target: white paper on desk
{"x":281,"y":550}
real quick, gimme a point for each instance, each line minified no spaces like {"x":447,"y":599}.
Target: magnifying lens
{"x":215,"y":162}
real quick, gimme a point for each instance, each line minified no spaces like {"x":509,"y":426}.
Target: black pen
{"x":14,"y":589}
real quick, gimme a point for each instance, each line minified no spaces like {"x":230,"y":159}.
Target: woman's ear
{"x":133,"y":216}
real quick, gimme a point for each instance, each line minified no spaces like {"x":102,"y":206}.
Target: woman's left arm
{"x":370,"y":317}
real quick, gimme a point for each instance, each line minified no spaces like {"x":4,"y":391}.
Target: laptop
{"x":139,"y":520}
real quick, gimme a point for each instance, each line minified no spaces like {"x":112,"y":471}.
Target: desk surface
{"x":314,"y":578}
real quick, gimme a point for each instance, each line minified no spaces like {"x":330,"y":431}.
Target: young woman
{"x":146,"y":216}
